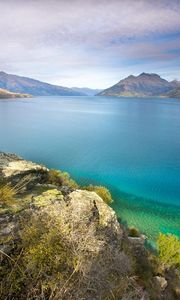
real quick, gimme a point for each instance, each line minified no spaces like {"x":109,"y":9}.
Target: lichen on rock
{"x":47,"y":198}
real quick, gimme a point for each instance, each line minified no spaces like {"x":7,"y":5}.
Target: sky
{"x":89,"y":43}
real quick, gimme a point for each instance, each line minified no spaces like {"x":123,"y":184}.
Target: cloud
{"x":51,"y":39}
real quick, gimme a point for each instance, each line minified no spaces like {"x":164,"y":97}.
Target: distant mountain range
{"x":87,"y":91}
{"x":4,"y":94}
{"x":144,"y":85}
{"x":19,"y":84}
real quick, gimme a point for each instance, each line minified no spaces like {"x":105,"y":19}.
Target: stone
{"x":161,"y":281}
{"x":137,"y":240}
{"x":83,"y":202}
{"x":8,"y":229}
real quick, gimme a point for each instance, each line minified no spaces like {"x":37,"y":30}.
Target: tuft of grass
{"x":7,"y":195}
{"x":60,"y":178}
{"x":101,"y":191}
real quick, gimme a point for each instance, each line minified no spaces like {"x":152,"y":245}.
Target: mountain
{"x":143,"y":85}
{"x":87,"y":91}
{"x":4,"y":94}
{"x":19,"y":84}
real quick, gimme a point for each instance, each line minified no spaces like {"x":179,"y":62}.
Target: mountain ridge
{"x":21,"y":84}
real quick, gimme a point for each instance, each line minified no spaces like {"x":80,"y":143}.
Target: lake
{"x":130,"y":145}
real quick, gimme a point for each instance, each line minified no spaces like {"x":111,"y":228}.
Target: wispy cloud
{"x":77,"y":42}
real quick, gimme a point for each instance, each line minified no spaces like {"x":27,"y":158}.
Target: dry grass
{"x":7,"y":195}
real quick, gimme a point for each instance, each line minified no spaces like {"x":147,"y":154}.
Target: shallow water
{"x":130,"y":145}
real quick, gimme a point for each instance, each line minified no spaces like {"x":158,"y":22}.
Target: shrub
{"x":42,"y":262}
{"x":61,"y":178}
{"x":7,"y":194}
{"x":133,"y":232}
{"x":169,"y":249}
{"x":102,"y":192}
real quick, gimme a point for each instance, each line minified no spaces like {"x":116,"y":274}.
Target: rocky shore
{"x":60,"y":241}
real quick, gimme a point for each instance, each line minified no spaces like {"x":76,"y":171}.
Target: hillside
{"x":143,"y":85}
{"x":4,"y":94}
{"x":175,"y":93}
{"x":19,"y":84}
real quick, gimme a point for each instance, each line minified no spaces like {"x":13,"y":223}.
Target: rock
{"x":137,"y":240}
{"x":84,"y":202}
{"x":161,"y":281}
{"x":16,"y":170}
{"x":90,"y":227}
{"x":8,"y":229}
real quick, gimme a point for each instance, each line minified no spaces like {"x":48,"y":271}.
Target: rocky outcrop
{"x":16,"y":170}
{"x":91,"y":229}
{"x":63,"y":243}
{"x":86,"y":226}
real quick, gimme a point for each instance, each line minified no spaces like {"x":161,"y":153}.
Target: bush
{"x":133,"y":232}
{"x":42,"y":261}
{"x":169,"y":249}
{"x":7,"y":194}
{"x":61,"y":178}
{"x":102,"y":192}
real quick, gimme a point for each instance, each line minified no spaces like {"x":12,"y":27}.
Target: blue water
{"x":130,"y":145}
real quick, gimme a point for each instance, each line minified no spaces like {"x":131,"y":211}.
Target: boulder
{"x":91,"y":230}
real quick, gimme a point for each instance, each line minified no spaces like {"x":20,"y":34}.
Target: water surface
{"x":130,"y":145}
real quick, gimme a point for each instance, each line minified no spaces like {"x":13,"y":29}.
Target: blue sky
{"x":90,"y":43}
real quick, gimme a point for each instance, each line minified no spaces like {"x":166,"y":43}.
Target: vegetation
{"x":169,"y":249}
{"x":58,"y":257}
{"x":102,"y":192}
{"x":51,"y":250}
{"x":41,"y":261}
{"x":60,"y":178}
{"x":133,"y":232}
{"x":7,"y":194}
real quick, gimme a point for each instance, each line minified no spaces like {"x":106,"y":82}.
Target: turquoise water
{"x":130,"y":145}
